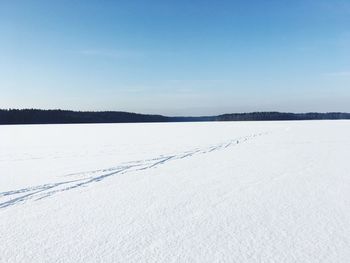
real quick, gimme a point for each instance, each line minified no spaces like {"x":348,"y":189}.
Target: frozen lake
{"x":176,"y":192}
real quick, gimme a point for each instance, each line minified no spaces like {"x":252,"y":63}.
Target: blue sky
{"x":176,"y":57}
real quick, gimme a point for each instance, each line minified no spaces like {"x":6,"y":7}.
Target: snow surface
{"x":176,"y":192}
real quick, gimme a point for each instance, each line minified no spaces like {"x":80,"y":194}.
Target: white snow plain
{"x":176,"y":192}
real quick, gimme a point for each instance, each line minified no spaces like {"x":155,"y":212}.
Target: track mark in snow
{"x":39,"y":192}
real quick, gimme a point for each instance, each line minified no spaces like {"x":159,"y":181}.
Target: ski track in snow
{"x":39,"y":192}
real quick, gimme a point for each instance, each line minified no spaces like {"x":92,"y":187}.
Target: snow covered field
{"x":176,"y":192}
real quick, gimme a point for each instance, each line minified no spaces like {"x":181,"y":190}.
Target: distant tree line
{"x":282,"y":116}
{"x":35,"y":116}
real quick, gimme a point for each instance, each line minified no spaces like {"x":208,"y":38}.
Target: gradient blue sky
{"x":179,"y":57}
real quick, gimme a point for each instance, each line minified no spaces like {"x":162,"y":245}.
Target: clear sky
{"x":180,"y":57}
